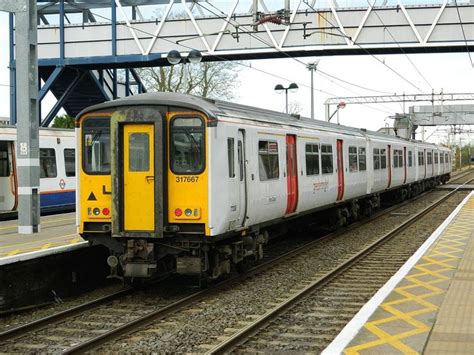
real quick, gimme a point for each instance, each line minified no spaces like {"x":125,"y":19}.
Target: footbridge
{"x":82,"y":43}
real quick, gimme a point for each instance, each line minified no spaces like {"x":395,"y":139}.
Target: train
{"x":57,"y":160}
{"x":173,"y":183}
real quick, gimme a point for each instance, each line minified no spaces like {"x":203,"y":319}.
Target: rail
{"x":253,"y":328}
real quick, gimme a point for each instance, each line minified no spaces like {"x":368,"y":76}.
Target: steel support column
{"x":12,"y":72}
{"x":28,"y":122}
{"x":61,"y":29}
{"x":127,"y":82}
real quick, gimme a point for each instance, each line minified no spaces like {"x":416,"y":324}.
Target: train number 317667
{"x":187,"y":178}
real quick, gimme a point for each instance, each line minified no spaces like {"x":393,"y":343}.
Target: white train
{"x":57,"y":169}
{"x":172,"y":182}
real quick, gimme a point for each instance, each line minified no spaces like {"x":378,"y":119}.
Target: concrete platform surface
{"x":56,"y":231}
{"x":428,"y":305}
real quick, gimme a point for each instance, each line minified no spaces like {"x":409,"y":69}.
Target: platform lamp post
{"x":194,"y":57}
{"x":312,"y":67}
{"x":291,"y":88}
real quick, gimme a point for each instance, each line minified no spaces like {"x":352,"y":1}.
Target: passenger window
{"x":312,"y":159}
{"x":376,"y":159}
{"x":362,"y":159}
{"x":268,"y":160}
{"x":429,"y":158}
{"x":383,"y":159}
{"x":441,"y":158}
{"x":397,"y":158}
{"x":139,"y":152}
{"x":187,"y":145}
{"x":47,"y":163}
{"x":353,"y":168}
{"x":410,"y":158}
{"x":4,"y":163}
{"x":326,"y":159}
{"x":230,"y":157}
{"x":240,"y":156}
{"x":436,"y":157}
{"x":70,"y":162}
{"x":420,"y":159}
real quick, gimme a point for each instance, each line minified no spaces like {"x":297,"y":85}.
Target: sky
{"x":399,"y":74}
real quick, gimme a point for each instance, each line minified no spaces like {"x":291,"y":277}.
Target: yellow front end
{"x":187,"y":185}
{"x":94,"y":174}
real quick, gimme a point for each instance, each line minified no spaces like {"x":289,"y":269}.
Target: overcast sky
{"x":448,"y":72}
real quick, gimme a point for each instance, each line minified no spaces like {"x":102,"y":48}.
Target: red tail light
{"x":178,"y":212}
{"x":105,"y":211}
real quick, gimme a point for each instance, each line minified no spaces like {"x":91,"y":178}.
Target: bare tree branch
{"x":210,"y":79}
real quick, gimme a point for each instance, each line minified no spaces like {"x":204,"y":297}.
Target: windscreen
{"x":96,"y":145}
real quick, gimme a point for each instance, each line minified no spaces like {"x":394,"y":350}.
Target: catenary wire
{"x":322,"y":73}
{"x":280,"y":51}
{"x":400,"y":47}
{"x":364,"y":49}
{"x":240,"y":63}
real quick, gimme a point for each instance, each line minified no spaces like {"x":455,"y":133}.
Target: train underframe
{"x":210,"y":258}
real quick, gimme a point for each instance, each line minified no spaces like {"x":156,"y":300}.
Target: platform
{"x":58,"y":234}
{"x":428,"y":305}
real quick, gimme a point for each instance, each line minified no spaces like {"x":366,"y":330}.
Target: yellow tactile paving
{"x":403,"y":322}
{"x":21,"y":248}
{"x":59,"y":230}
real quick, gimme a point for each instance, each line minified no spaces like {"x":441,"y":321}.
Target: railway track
{"x":348,"y":285}
{"x":51,"y":333}
{"x":462,"y":177}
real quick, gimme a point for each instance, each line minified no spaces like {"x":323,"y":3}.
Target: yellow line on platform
{"x":46,"y":246}
{"x":13,"y":252}
{"x":10,"y":226}
{"x":36,"y":242}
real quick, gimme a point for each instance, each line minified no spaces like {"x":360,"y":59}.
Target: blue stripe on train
{"x":58,"y":199}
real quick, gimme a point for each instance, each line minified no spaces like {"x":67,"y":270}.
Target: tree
{"x":64,"y":121}
{"x":294,"y":108}
{"x":210,"y":79}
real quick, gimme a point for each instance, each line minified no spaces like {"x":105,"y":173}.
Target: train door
{"x":8,"y":195}
{"x":404,"y":165}
{"x":138,"y":178}
{"x":292,"y":174}
{"x":242,"y":177}
{"x":389,"y":165}
{"x":340,"y":170}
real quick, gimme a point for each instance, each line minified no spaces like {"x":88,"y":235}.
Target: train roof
{"x":217,"y":108}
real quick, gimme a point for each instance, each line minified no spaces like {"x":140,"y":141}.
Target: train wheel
{"x":244,"y":265}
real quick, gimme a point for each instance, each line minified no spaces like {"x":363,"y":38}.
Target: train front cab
{"x":150,"y":189}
